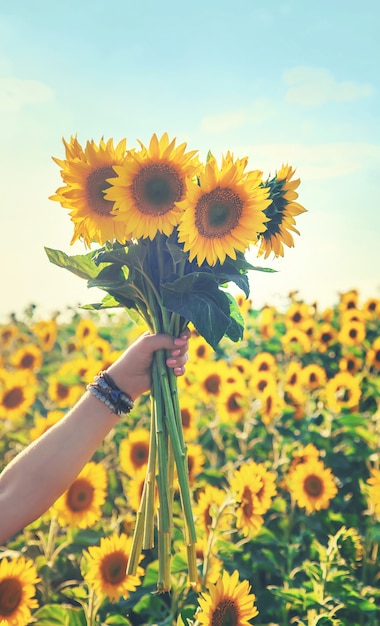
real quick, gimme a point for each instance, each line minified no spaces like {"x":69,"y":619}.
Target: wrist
{"x":105,"y":389}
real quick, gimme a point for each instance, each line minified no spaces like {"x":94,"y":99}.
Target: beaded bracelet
{"x":105,"y":389}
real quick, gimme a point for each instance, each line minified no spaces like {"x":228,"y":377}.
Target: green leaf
{"x":81,"y":265}
{"x":58,"y":615}
{"x":197,"y":298}
{"x":108,"y":302}
{"x":111,"y":279}
{"x":117,"y":620}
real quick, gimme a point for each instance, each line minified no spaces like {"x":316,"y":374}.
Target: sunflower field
{"x":283,"y":438}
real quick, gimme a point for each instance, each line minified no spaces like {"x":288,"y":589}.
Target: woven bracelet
{"x":105,"y":389}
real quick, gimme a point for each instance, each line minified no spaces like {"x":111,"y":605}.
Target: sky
{"x":278,"y":81}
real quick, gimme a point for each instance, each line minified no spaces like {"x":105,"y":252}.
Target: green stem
{"x":148,"y":541}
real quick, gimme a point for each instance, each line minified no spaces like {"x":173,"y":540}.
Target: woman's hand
{"x":132,"y":371}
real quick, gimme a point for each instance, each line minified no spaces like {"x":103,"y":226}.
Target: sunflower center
{"x":326,"y":337}
{"x":114,"y":567}
{"x":80,"y":495}
{"x":212,"y":384}
{"x":96,"y":186}
{"x":262,"y":384}
{"x":10,"y":596}
{"x":27,"y":361}
{"x":217,"y":213}
{"x":185,"y":418}
{"x":13,"y":398}
{"x":62,"y":391}
{"x":225,"y":614}
{"x":313,"y":486}
{"x":247,"y":502}
{"x":140,"y":453}
{"x":268,"y":404}
{"x":232,"y":403}
{"x":156,"y":188}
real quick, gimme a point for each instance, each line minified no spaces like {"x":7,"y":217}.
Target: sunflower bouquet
{"x":173,"y":233}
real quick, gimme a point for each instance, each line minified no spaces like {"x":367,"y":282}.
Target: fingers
{"x":177,"y":362}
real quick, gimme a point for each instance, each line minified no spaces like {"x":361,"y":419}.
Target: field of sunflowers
{"x":283,"y":438}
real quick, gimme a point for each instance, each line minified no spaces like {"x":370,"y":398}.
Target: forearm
{"x":38,"y":476}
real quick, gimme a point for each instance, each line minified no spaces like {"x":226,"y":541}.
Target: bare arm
{"x":40,"y":474}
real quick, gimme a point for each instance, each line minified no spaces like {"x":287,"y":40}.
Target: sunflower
{"x":18,"y":579}
{"x":373,"y":355}
{"x":325,"y":336}
{"x":134,"y":490}
{"x":261,"y":381}
{"x":87,"y":173}
{"x":350,"y":546}
{"x":295,"y":341}
{"x":342,"y":392}
{"x":80,"y":505}
{"x":313,"y":376}
{"x":83,"y":369}
{"x":295,"y":399}
{"x":244,"y":304}
{"x":189,"y":417}
{"x":212,"y":510}
{"x":212,"y":378}
{"x":42,"y":424}
{"x":195,"y":460}
{"x":281,"y":212}
{"x":351,"y":364}
{"x":149,"y":184}
{"x":371,"y":308}
{"x":374,"y":490}
{"x":86,"y":332}
{"x":245,"y":486}
{"x":7,"y":334}
{"x":64,"y":388}
{"x":106,"y":567}
{"x":266,"y":321}
{"x":293,"y":374}
{"x":134,"y":451}
{"x":28,"y":357}
{"x":263,"y":362}
{"x":352,"y":333}
{"x":200,"y":350}
{"x":348,"y":300}
{"x":312,"y":485}
{"x":297,"y":314}
{"x":303,"y":455}
{"x":46,"y":332}
{"x":232,"y":405}
{"x":228,"y":602}
{"x":222,"y":214}
{"x":17,"y":394}
{"x":271,"y":405}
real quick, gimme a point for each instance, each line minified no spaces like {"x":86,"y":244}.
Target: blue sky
{"x":278,"y":81}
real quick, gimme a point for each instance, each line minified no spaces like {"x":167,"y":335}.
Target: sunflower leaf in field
{"x":81,"y":265}
{"x":58,"y":615}
{"x":117,"y":620}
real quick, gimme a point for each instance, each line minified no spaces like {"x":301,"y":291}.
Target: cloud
{"x":309,"y":86}
{"x":260,"y":110}
{"x":15,"y":93}
{"x":314,"y":162}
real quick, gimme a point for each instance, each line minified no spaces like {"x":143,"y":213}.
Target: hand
{"x":132,"y":371}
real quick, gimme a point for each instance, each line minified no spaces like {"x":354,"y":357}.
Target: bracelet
{"x":105,"y":389}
